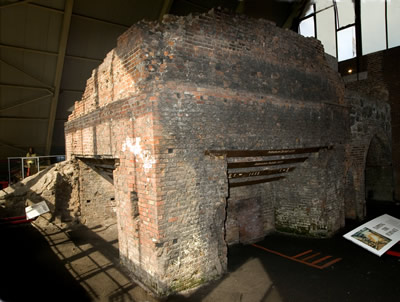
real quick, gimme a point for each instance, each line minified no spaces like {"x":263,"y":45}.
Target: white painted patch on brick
{"x":133,"y":146}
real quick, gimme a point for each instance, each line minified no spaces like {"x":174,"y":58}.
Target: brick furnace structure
{"x":222,"y":129}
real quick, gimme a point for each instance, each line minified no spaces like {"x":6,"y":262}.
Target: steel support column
{"x":59,"y":70}
{"x":165,"y":9}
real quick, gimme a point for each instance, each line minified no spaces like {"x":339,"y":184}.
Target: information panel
{"x":36,"y":210}
{"x":377,"y":235}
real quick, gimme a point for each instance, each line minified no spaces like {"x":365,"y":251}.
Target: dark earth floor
{"x":33,"y":270}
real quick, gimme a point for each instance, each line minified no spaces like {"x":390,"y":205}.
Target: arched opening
{"x":378,"y":173}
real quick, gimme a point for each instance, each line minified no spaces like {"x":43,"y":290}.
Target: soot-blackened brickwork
{"x":172,"y":99}
{"x":377,"y":80}
{"x":368,"y":165}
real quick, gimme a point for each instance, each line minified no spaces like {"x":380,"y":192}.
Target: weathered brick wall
{"x":371,"y":80}
{"x":370,"y":123}
{"x":114,"y":119}
{"x":171,"y":91}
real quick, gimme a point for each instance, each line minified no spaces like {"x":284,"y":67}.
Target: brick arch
{"x":357,"y":151}
{"x":378,"y":175}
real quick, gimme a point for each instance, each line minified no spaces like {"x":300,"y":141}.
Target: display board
{"x":36,"y":210}
{"x":377,"y":235}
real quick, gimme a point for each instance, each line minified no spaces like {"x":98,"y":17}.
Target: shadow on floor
{"x":81,"y":265}
{"x":358,"y":276}
{"x":30,"y":271}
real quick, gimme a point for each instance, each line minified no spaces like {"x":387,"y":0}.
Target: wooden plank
{"x":264,"y":163}
{"x":259,"y":173}
{"x":331,"y":262}
{"x":321,"y":259}
{"x":310,"y":257}
{"x":254,"y":182}
{"x":253,"y":153}
{"x":302,"y":254}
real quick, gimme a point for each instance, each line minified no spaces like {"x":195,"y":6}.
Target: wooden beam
{"x":233,"y":175}
{"x":255,"y":153}
{"x":59,"y":69}
{"x":255,"y":182}
{"x":263,"y":163}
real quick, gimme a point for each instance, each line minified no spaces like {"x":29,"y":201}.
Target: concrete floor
{"x":58,"y":265}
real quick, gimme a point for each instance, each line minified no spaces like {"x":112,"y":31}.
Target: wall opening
{"x":96,"y":190}
{"x":378,"y":172}
{"x":244,"y":223}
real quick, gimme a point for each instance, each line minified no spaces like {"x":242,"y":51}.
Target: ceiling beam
{"x":17,"y":86}
{"x":39,"y":51}
{"x":80,"y":16}
{"x":84,"y":58}
{"x":27,"y":118}
{"x":14,"y":3}
{"x":27,"y":74}
{"x":2,"y":143}
{"x":49,"y":53}
{"x":59,"y":69}
{"x":24,"y":102}
{"x":71,"y":91}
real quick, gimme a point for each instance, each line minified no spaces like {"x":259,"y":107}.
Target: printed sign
{"x":36,"y":210}
{"x":377,"y":235}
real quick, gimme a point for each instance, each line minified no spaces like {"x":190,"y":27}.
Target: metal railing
{"x":16,"y":172}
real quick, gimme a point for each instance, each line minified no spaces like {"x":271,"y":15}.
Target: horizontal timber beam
{"x":255,"y":153}
{"x":259,"y":173}
{"x":255,"y":182}
{"x":264,"y":163}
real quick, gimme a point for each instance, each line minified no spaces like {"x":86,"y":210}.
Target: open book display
{"x":377,"y":235}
